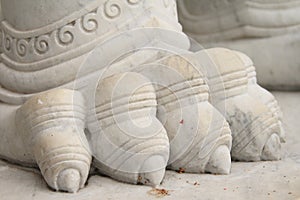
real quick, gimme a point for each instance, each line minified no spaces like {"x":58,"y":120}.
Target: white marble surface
{"x":254,"y":180}
{"x":53,"y":48}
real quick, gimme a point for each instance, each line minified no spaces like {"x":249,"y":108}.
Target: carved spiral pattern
{"x":31,"y":47}
{"x":112,"y":9}
{"x":42,"y":44}
{"x":90,"y":22}
{"x":66,"y":35}
{"x":7,"y":42}
{"x":22,"y":47}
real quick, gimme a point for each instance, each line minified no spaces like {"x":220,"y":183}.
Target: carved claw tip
{"x":69,"y":180}
{"x":220,"y":161}
{"x":272,"y":148}
{"x":153,"y":177}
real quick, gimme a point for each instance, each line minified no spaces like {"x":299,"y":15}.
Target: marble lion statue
{"x":112,"y":84}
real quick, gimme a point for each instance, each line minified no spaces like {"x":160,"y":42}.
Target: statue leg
{"x":52,"y":126}
{"x":200,"y":138}
{"x":128,"y":142}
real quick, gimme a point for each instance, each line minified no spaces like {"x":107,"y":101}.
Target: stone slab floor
{"x":260,"y":180}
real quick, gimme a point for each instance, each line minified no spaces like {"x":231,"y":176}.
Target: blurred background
{"x":268,"y":31}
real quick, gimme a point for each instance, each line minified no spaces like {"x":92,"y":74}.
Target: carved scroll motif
{"x":20,"y":46}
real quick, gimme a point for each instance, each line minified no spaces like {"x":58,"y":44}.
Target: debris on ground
{"x":181,"y":170}
{"x":196,"y":183}
{"x":159,"y":192}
